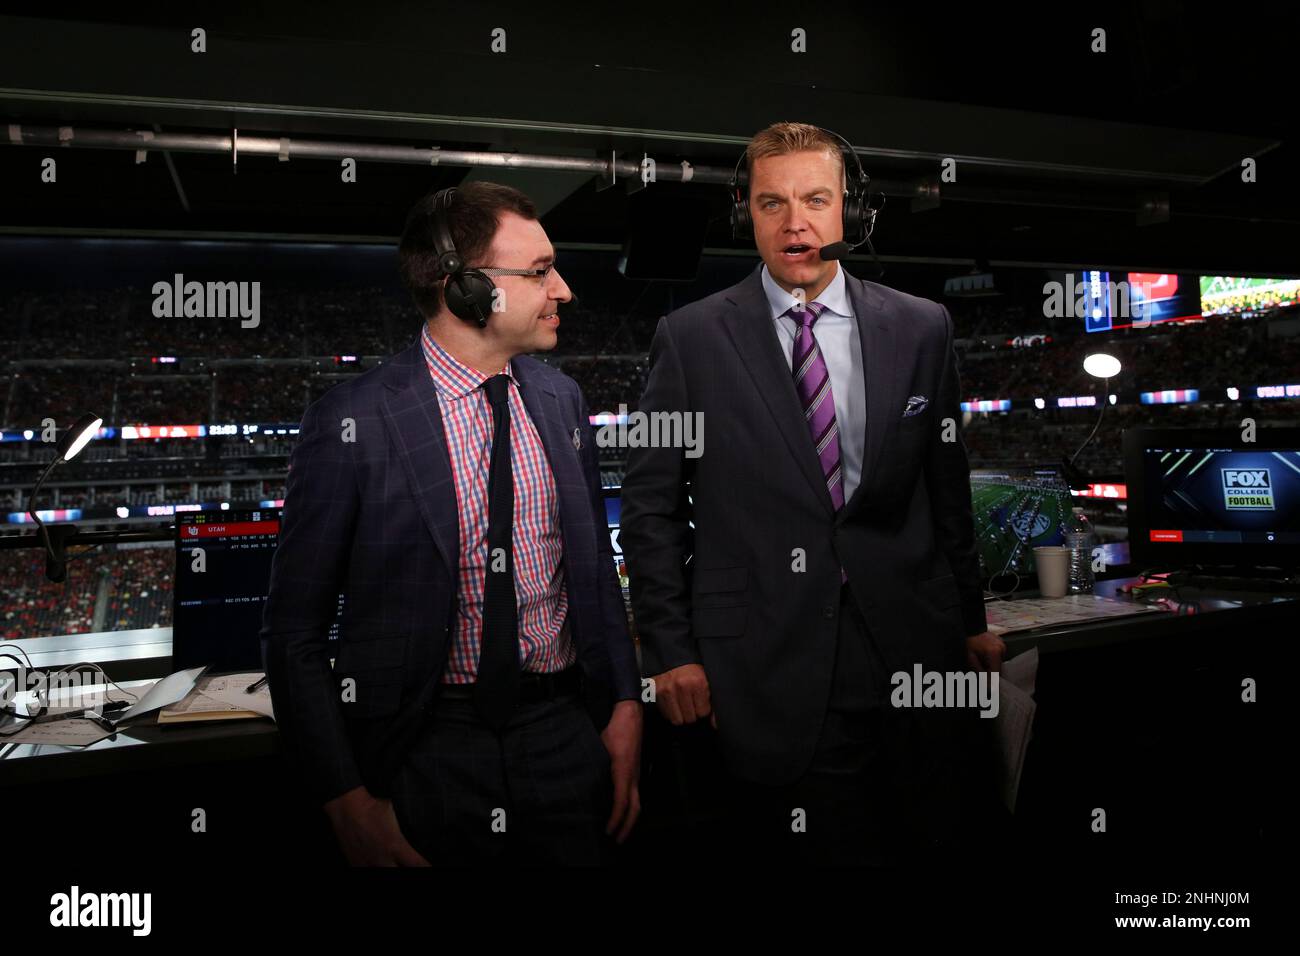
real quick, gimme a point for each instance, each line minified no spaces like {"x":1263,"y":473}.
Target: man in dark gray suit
{"x":833,"y":540}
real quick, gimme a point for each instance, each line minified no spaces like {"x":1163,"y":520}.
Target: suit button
{"x":828,"y":612}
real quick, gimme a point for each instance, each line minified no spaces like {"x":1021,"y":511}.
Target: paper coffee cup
{"x":1053,"y":564}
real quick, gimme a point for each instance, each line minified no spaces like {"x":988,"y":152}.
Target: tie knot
{"x":497,"y":388}
{"x":808,"y":315}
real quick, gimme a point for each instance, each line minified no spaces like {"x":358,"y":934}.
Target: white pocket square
{"x":915,"y":405}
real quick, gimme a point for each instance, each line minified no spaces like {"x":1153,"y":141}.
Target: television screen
{"x":1016,"y":512}
{"x":1203,"y":495}
{"x":1230,"y":295}
{"x":1157,"y":297}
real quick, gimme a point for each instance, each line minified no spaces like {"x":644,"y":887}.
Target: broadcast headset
{"x":859,"y":216}
{"x":468,"y":291}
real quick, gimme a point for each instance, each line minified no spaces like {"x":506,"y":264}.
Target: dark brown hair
{"x":472,"y":219}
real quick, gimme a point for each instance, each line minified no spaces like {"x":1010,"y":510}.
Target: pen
{"x":109,"y":708}
{"x":252,"y":687}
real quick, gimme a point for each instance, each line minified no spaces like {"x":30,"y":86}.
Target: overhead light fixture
{"x":1101,"y":365}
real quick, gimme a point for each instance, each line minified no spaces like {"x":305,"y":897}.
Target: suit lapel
{"x":880,"y":371}
{"x":543,"y":407}
{"x":415,"y":428}
{"x":753,"y":333}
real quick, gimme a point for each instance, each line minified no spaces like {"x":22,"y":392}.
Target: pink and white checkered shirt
{"x":545,"y":644}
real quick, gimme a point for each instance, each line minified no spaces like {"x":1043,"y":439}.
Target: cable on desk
{"x":42,"y":697}
{"x":989,"y":592}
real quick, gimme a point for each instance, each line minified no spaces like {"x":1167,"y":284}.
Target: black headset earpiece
{"x":741,"y":227}
{"x":859,"y":217}
{"x":468,"y":291}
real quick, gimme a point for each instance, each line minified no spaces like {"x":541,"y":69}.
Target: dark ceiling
{"x":1057,"y":147}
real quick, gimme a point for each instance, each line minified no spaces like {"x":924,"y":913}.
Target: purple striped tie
{"x":812,"y":383}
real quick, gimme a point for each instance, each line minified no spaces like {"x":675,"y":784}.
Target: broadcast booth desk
{"x":1142,"y":716}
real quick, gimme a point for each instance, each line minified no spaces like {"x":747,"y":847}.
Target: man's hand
{"x":984,"y":651}
{"x":367,"y":831}
{"x":683,"y":695}
{"x":622,"y":738}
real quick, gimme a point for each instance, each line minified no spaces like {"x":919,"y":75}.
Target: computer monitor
{"x":223,"y":574}
{"x":1208,"y":496}
{"x":1015,"y":511}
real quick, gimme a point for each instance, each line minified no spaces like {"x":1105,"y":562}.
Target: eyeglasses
{"x":539,"y":273}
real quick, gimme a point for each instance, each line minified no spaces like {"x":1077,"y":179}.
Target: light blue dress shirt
{"x":836,"y":331}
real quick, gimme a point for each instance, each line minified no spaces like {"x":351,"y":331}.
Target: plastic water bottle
{"x":1079,"y":539}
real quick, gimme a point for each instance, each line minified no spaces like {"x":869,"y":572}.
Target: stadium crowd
{"x":103,"y":343}
{"x":124,"y":589}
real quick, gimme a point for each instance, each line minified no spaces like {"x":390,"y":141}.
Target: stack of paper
{"x":1015,"y":720}
{"x":220,"y":697}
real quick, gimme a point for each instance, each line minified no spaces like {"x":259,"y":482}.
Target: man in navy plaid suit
{"x":483,"y":700}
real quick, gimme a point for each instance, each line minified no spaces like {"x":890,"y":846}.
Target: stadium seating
{"x":85,"y":350}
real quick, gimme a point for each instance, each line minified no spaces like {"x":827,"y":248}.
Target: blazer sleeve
{"x":307,"y":573}
{"x":655,"y":523}
{"x":947,"y":476}
{"x":623,"y":668}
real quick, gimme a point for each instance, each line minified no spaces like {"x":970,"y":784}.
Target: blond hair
{"x":781,"y":138}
